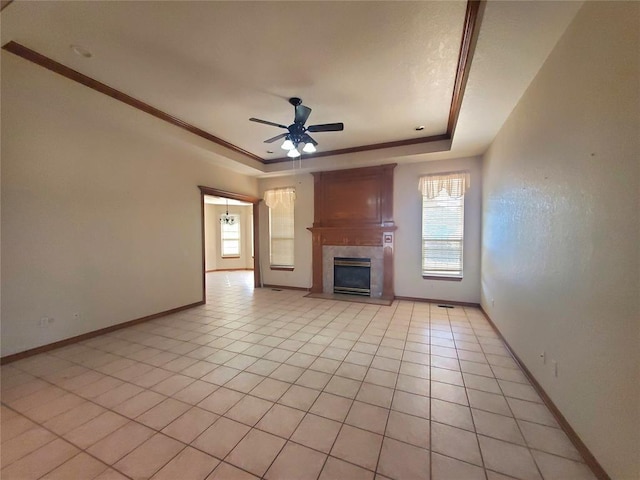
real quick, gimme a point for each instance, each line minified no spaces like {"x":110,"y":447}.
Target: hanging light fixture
{"x":293,"y":153}
{"x":288,"y":144}
{"x":293,"y":142}
{"x":227,"y":219}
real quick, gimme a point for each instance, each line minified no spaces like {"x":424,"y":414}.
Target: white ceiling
{"x":382,"y":68}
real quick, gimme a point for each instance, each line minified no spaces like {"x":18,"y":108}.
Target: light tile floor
{"x":270,"y":384}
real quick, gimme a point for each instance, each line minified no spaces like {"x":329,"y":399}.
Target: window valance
{"x":280,"y":197}
{"x":454,"y":183}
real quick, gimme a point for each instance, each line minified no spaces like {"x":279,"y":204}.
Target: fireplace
{"x":353,"y":219}
{"x":376,"y":273}
{"x":352,"y":276}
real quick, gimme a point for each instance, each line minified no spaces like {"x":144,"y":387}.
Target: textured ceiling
{"x":382,"y":68}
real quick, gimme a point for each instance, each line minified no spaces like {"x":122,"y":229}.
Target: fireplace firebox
{"x":352,"y":276}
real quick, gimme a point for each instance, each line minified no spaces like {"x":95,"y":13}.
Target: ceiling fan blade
{"x":277,"y":137}
{"x":267,"y":122}
{"x":302,"y":113}
{"x":307,"y":139}
{"x":326,"y":127}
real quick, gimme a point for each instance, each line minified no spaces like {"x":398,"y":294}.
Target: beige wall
{"x":560,"y":247}
{"x":213,"y":251}
{"x":407,"y":213}
{"x":100,"y":210}
{"x":303,"y":218}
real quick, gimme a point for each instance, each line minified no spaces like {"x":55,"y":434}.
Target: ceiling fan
{"x":297,"y":132}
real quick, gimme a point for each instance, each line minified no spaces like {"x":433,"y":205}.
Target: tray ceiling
{"x":382,"y":68}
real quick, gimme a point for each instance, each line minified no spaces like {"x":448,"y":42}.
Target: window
{"x":281,"y":226}
{"x":230,"y":237}
{"x":443,"y":224}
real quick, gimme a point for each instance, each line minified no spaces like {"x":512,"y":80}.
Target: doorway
{"x":230,"y":226}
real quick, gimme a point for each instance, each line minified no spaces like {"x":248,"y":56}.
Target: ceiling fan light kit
{"x":288,"y":145}
{"x":297,"y":133}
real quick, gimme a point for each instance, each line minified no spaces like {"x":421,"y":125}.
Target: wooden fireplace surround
{"x":354,"y":208}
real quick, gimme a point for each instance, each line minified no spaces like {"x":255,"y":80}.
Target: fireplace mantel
{"x":354,"y":208}
{"x":365,"y":236}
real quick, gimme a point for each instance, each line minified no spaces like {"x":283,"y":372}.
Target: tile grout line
{"x":308,"y":412}
{"x":394,"y":386}
{"x":515,"y":419}
{"x":353,"y":400}
{"x":125,"y":352}
{"x":108,"y":409}
{"x":252,"y":427}
{"x":466,"y":393}
{"x":219,"y":386}
{"x":196,"y":405}
{"x":80,"y":449}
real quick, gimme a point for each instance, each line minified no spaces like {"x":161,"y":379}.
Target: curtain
{"x":454,"y":183}
{"x":284,"y":197}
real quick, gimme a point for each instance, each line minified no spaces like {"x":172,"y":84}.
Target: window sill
{"x":437,"y":277}
{"x":224,"y":257}
{"x":285,"y":269}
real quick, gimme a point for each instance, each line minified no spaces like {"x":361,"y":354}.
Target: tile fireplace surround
{"x":329,"y":252}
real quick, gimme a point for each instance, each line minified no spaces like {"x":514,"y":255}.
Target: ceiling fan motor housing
{"x":296,"y":132}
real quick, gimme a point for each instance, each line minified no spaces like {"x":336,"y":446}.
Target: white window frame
{"x":442,"y":232}
{"x":281,"y":204}
{"x":281,"y":237}
{"x":233,"y":238}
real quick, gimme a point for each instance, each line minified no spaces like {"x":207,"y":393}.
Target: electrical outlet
{"x":543,"y":357}
{"x":555,"y":368}
{"x":45,"y":321}
{"x":493,"y":302}
{"x":76,"y":316}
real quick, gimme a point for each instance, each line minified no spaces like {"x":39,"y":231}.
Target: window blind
{"x":281,"y":230}
{"x":230,"y":238}
{"x":443,"y":229}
